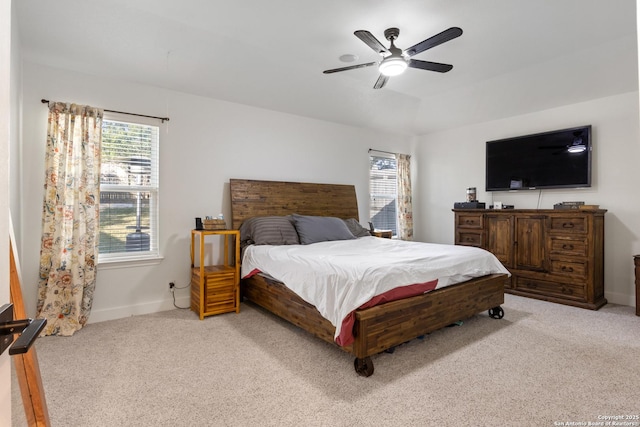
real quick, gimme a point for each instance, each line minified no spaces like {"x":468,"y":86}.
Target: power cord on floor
{"x":172,"y":288}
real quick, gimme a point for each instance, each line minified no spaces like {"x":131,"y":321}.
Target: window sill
{"x":126,"y":262}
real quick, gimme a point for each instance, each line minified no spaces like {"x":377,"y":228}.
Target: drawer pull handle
{"x":567,"y":269}
{"x":469,"y":221}
{"x":567,"y":225}
{"x":567,"y":247}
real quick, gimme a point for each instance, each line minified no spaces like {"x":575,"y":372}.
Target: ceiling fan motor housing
{"x":391,"y":34}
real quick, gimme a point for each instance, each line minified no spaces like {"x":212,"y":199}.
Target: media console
{"x":552,"y":255}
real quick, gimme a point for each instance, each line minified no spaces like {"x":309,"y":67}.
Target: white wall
{"x":452,"y":160}
{"x":205,"y":143}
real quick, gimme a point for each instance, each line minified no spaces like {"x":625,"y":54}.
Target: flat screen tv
{"x":557,"y":159}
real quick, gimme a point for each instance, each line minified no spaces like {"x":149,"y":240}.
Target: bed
{"x":373,"y":329}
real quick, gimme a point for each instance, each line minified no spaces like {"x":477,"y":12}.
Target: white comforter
{"x":338,"y":277}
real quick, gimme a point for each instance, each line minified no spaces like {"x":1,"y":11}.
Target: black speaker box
{"x":469,"y":205}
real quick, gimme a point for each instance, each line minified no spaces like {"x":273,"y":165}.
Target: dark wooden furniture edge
{"x":251,"y":198}
{"x":533,"y":211}
{"x":384,"y":326}
{"x":27,"y":366}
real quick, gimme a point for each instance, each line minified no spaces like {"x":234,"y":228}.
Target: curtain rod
{"x":163,"y":119}
{"x":380,"y":151}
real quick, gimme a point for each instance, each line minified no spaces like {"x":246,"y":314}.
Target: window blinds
{"x":383,"y":190}
{"x":129,"y":187}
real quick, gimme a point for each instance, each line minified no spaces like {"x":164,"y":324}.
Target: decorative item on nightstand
{"x":386,"y":234}
{"x":214,"y":224}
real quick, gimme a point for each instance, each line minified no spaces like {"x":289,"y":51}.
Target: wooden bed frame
{"x":377,"y":328}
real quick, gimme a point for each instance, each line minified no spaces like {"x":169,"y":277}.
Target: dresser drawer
{"x":571,"y":291}
{"x":469,"y":220}
{"x":566,"y":246}
{"x":571,"y":268}
{"x":568,"y":224}
{"x":469,"y":238}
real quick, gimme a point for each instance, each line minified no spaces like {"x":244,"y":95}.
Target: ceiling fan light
{"x":393,"y":66}
{"x":576,"y":148}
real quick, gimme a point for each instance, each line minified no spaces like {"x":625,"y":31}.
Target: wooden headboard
{"x":251,"y":198}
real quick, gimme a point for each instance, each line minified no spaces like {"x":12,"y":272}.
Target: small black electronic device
{"x":568,"y":205}
{"x":469,"y":205}
{"x":199,"y":224}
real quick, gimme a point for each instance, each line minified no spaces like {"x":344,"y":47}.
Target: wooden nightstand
{"x":387,"y":234}
{"x":215,"y":288}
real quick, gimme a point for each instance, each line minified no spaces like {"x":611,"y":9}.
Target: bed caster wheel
{"x":496,"y":312}
{"x":364,"y":367}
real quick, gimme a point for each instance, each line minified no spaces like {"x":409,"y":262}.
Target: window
{"x":383,"y":191}
{"x":128,"y":191}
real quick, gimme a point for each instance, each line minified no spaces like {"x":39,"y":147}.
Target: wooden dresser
{"x":553,"y":255}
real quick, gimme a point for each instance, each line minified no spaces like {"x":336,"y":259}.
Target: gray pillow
{"x":268,"y":230}
{"x":313,"y":229}
{"x":355,"y":228}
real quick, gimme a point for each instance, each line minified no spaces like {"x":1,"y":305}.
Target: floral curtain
{"x":405,"y":207}
{"x":70,"y":217}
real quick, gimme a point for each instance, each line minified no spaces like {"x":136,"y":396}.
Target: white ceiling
{"x":515,"y":56}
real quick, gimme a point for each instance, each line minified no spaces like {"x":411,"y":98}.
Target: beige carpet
{"x":543,"y":364}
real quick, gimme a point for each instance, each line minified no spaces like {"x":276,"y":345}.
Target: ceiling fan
{"x":395,"y":60}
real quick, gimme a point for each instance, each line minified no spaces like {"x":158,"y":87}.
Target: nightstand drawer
{"x":220,"y":279}
{"x":218,"y":296}
{"x":214,"y":305}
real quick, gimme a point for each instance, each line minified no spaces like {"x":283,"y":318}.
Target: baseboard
{"x":137,"y":309}
{"x":618,"y":298}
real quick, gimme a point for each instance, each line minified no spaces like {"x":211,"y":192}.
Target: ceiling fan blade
{"x":382,"y":80}
{"x":430,"y":66}
{"x":434,"y":41}
{"x":350,"y":67}
{"x":371,"y":41}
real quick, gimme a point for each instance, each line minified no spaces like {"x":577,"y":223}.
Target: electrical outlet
{"x":171,"y":286}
